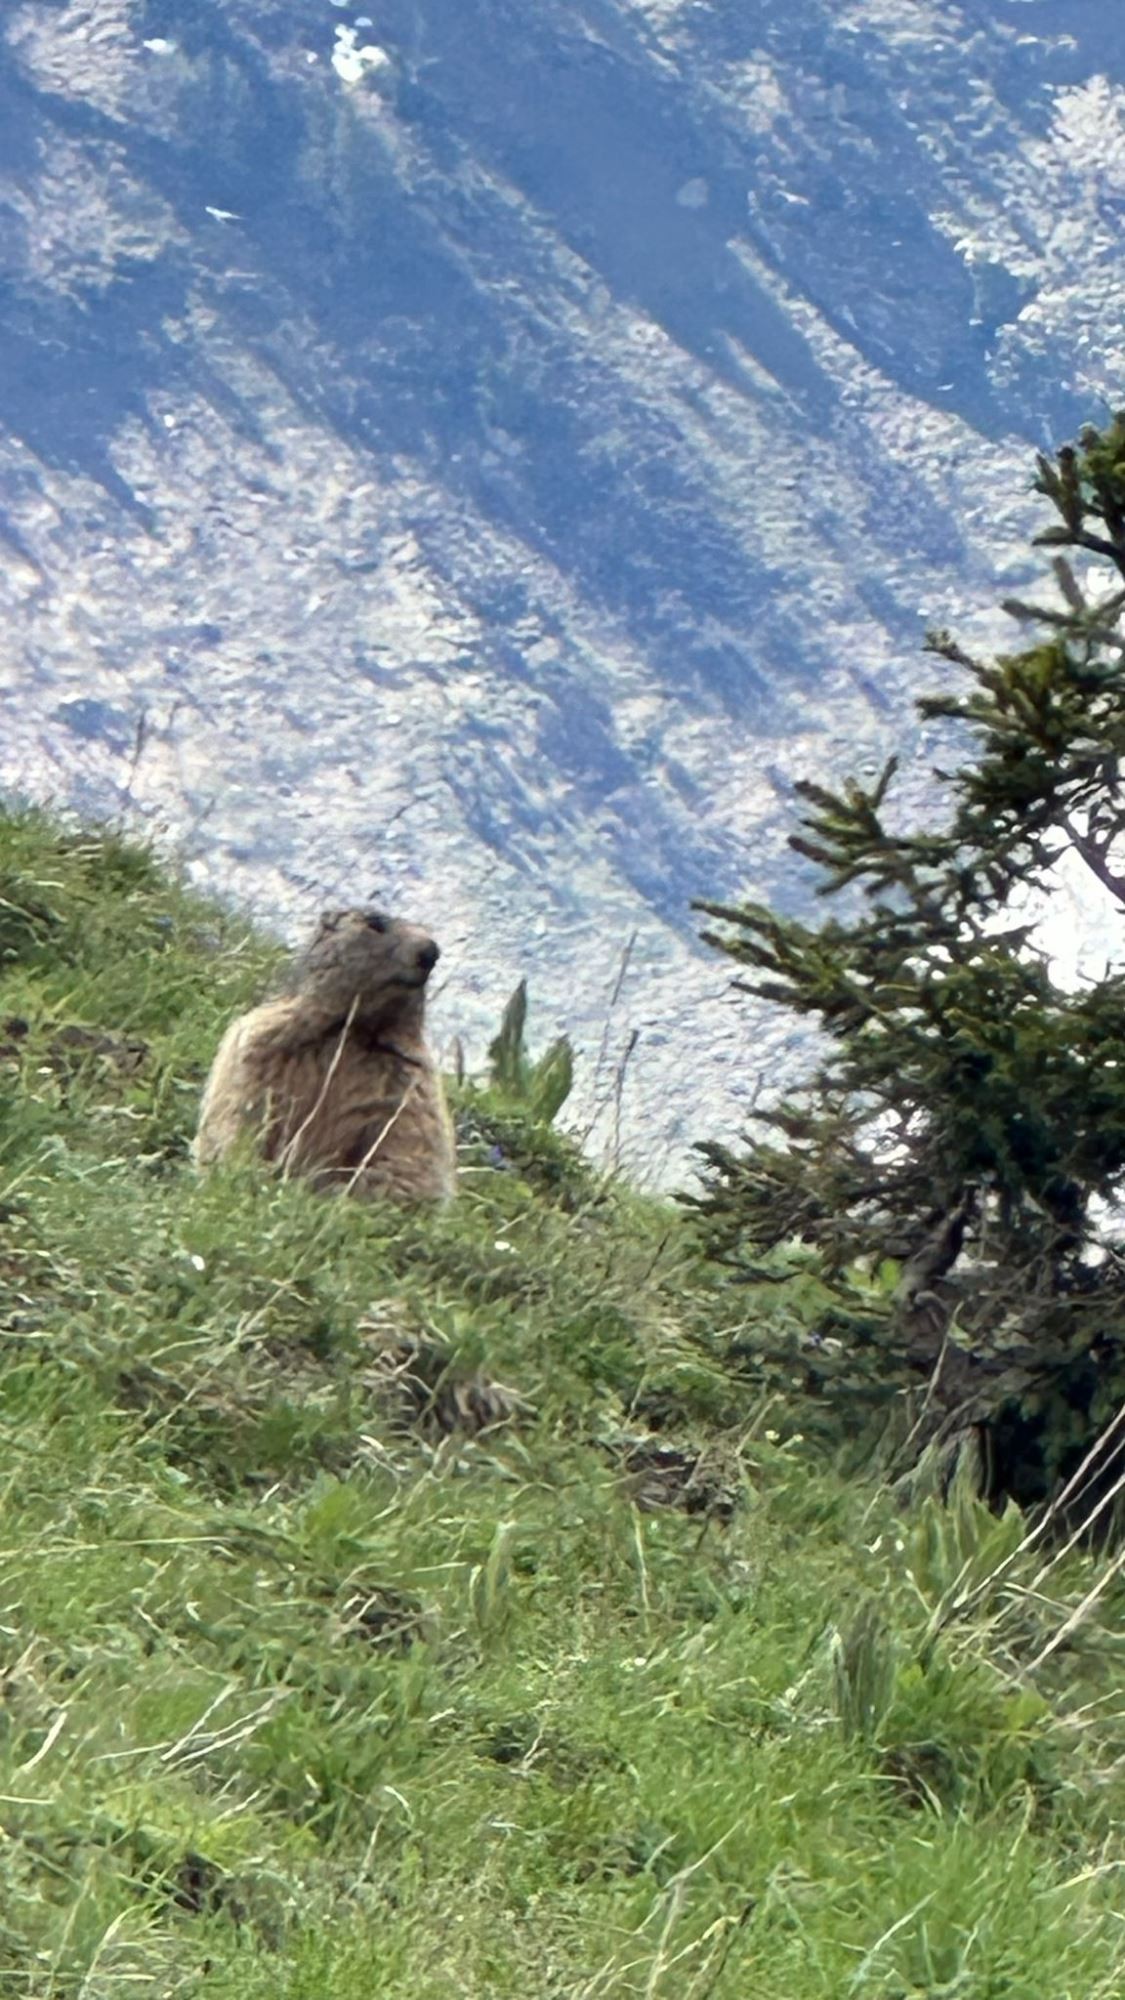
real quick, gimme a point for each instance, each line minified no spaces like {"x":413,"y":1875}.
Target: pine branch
{"x":1093,"y":853}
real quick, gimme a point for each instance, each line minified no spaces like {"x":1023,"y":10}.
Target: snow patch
{"x":693,"y":194}
{"x":353,"y":60}
{"x":1088,"y":130}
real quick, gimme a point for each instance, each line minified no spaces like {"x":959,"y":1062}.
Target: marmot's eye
{"x":375,"y":920}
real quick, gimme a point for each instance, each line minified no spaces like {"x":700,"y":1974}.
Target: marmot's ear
{"x":330,"y":920}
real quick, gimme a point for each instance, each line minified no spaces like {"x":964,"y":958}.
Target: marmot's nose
{"x":428,"y":956}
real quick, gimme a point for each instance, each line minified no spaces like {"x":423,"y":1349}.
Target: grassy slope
{"x":307,"y":1694}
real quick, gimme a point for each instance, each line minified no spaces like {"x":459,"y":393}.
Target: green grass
{"x":432,"y":1606}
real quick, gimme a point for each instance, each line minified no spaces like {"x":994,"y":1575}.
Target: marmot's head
{"x":368,"y":965}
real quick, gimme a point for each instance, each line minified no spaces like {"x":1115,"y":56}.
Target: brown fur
{"x":334,"y":1079}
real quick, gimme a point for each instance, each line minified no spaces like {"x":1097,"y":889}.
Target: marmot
{"x":334,"y":1078}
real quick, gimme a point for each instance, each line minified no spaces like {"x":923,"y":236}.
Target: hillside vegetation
{"x":440,"y":1606}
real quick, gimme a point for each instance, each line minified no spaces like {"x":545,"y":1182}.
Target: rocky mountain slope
{"x":479,"y":455}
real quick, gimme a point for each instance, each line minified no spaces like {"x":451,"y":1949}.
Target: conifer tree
{"x":955,"y":1164}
